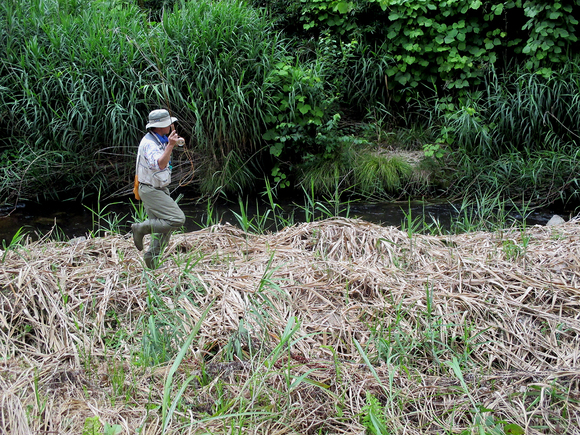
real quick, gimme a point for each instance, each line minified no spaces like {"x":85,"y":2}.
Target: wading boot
{"x":140,"y":231}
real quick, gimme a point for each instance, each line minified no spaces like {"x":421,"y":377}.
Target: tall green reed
{"x":83,"y":77}
{"x":541,"y":177}
{"x":280,"y":217}
{"x":516,"y":110}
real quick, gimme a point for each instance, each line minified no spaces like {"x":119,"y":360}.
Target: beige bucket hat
{"x":160,"y":118}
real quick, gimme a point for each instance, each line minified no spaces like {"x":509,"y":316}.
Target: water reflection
{"x":69,"y":219}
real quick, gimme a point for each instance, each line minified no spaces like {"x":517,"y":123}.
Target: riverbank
{"x":334,"y":326}
{"x":65,"y":221}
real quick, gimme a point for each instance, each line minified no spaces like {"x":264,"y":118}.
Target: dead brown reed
{"x":448,"y":334}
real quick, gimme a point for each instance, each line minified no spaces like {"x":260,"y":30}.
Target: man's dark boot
{"x":140,"y":230}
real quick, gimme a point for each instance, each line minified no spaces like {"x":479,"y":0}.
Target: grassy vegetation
{"x":77,"y":79}
{"x":517,"y":136}
{"x":333,"y":325}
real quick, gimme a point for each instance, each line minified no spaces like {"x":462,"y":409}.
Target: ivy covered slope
{"x":494,"y":86}
{"x":291,"y":92}
{"x":452,"y":43}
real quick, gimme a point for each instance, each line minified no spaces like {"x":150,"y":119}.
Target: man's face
{"x":164,"y":131}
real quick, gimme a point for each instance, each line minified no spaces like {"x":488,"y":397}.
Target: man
{"x":154,"y":175}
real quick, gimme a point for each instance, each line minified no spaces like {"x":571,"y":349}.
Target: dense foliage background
{"x":311,"y":93}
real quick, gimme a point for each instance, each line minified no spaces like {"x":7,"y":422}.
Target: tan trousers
{"x":164,"y":216}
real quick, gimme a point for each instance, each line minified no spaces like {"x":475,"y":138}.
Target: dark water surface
{"x":69,"y":219}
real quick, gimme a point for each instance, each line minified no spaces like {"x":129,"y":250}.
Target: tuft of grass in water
{"x":375,"y":174}
{"x":333,"y":206}
{"x":259,"y":223}
{"x":488,"y":211}
{"x":364,"y":172}
{"x":278,"y":213}
{"x":105,"y":222}
{"x":243,"y":220}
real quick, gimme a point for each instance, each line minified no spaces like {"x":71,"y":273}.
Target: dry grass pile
{"x":337,"y":326}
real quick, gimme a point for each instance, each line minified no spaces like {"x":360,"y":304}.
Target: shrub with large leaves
{"x":449,"y":44}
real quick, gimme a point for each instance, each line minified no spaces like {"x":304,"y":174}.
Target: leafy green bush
{"x":448,"y":43}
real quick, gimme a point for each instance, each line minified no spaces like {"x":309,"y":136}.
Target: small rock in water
{"x":555,"y":220}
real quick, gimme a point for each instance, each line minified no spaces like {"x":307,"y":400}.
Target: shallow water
{"x":69,"y":219}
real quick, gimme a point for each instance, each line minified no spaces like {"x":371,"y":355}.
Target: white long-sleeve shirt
{"x":147,"y":167}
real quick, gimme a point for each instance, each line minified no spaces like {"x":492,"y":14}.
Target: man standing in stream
{"x":153,"y":170}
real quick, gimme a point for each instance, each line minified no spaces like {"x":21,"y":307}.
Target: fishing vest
{"x":157,"y":178}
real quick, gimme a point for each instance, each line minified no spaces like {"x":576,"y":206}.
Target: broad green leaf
{"x":403,"y":78}
{"x":269,"y":135}
{"x":276,"y":150}
{"x":563,"y":33}
{"x":343,"y":7}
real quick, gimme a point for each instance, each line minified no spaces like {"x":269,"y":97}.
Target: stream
{"x":70,"y":219}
